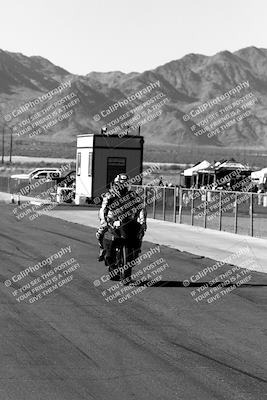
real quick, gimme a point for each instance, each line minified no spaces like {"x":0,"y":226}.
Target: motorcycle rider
{"x":119,"y":203}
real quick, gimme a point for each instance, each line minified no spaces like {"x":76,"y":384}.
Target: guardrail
{"x":244,"y":213}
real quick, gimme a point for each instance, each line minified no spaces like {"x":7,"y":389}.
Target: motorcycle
{"x":126,"y":238}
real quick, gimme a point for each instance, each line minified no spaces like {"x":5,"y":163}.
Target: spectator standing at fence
{"x":161,"y":182}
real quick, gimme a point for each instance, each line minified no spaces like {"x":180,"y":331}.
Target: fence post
{"x":220,"y":211}
{"x":180,"y":204}
{"x":145,"y":196}
{"x":235,"y":205}
{"x":174,"y":204}
{"x":164,"y":203}
{"x":154,"y":203}
{"x":192,"y":208}
{"x":205,"y":210}
{"x":251,"y":215}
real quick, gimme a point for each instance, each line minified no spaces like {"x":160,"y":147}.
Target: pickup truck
{"x":39,"y":173}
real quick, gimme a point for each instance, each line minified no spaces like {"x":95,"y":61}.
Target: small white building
{"x":100,"y":158}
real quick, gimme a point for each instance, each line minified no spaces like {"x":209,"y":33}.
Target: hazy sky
{"x":128,"y":35}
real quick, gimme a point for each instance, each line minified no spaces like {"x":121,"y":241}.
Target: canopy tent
{"x":259,"y":176}
{"x":193,"y":170}
{"x":221,"y":173}
{"x":231,"y":165}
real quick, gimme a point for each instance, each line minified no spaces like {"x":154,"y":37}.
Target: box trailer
{"x":100,"y":158}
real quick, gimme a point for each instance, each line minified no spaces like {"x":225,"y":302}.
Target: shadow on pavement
{"x":198,"y":284}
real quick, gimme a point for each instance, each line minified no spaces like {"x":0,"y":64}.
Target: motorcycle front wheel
{"x":126,"y":273}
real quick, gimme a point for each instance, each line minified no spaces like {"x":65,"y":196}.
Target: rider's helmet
{"x":121,"y":184}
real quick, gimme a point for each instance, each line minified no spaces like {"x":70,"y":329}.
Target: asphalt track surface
{"x":159,"y":344}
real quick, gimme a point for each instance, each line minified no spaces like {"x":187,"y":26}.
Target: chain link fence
{"x":236,"y":212}
{"x":23,"y":187}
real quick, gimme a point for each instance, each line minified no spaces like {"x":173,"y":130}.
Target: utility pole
{"x":3,"y":143}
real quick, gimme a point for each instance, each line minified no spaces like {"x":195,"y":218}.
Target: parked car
{"x":39,"y":173}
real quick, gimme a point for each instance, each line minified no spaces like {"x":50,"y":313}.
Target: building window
{"x":79,"y":164}
{"x":90,"y":163}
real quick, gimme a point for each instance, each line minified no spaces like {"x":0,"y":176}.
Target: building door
{"x":115,"y":166}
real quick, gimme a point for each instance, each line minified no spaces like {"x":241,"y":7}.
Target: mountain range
{"x":187,"y":84}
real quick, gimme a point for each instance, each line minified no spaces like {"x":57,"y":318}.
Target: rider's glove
{"x":144,"y":227}
{"x":116,"y":224}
